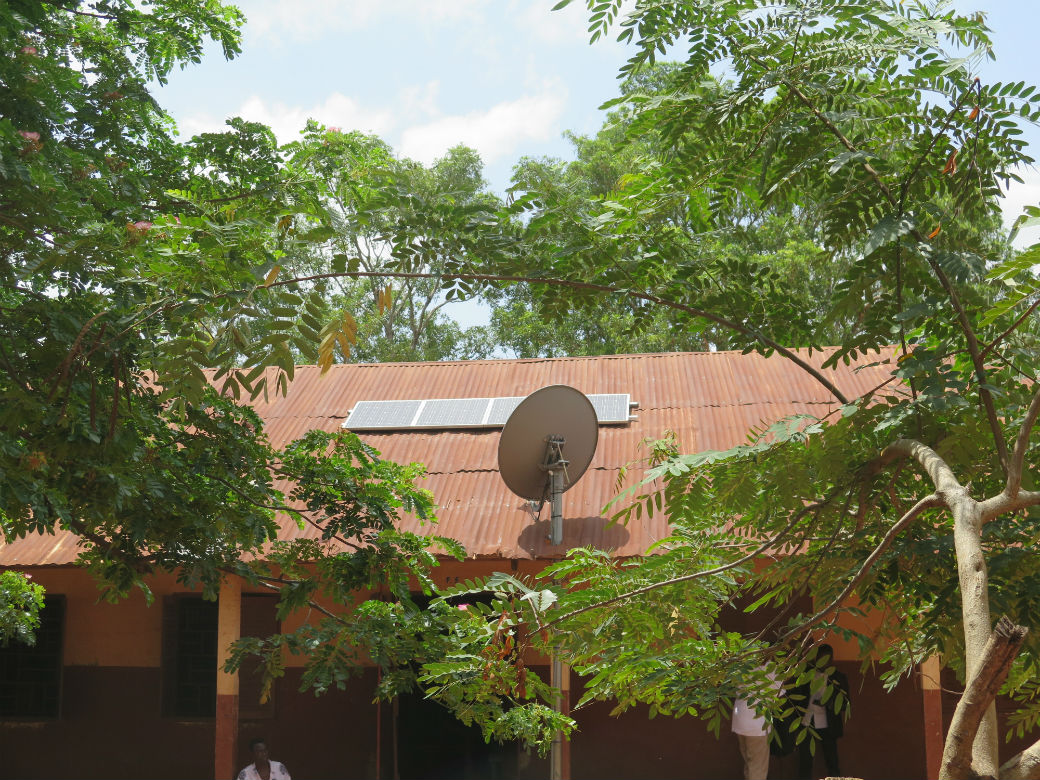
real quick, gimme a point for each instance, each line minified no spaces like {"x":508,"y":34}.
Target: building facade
{"x":133,"y":689}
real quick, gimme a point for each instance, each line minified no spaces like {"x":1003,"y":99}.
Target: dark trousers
{"x":826,"y":744}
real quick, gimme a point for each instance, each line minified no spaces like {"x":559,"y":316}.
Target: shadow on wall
{"x":577,"y":532}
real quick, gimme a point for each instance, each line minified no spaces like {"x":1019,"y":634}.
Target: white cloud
{"x":443,"y":11}
{"x":494,"y":132}
{"x":337,"y":110}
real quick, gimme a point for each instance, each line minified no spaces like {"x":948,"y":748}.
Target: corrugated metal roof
{"x":710,"y":400}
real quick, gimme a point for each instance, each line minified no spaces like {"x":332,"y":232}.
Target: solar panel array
{"x":611,"y":409}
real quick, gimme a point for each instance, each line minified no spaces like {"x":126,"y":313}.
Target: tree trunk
{"x":974,"y":582}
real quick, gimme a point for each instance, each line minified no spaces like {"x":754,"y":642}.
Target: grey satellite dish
{"x":546,"y":445}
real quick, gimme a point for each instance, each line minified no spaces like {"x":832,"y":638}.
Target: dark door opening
{"x":432,"y":744}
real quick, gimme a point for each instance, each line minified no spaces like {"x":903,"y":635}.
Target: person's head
{"x":258,"y":746}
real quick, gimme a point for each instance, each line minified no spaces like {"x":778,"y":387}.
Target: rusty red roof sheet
{"x":709,"y":399}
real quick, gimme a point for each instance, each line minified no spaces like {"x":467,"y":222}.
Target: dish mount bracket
{"x":555,"y":466}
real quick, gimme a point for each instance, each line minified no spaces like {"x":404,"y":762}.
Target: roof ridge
{"x":560,"y":358}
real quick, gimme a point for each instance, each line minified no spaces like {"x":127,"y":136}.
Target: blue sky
{"x":506,"y":77}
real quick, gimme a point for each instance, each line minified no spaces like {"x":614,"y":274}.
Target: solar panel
{"x":452,"y":412}
{"x":611,"y":407}
{"x":432,"y":413}
{"x":382,"y":414}
{"x":501,"y":408}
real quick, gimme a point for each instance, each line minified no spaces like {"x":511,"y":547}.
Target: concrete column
{"x":229,"y":628}
{"x":931,"y":697}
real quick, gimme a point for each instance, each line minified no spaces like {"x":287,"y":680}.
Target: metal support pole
{"x":559,"y":752}
{"x":556,"y":467}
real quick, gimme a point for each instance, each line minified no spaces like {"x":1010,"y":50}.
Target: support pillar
{"x":560,"y":755}
{"x":229,"y":628}
{"x":931,"y":696}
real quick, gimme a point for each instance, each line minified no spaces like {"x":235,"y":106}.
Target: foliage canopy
{"x":863,"y":121}
{"x":132,"y":263}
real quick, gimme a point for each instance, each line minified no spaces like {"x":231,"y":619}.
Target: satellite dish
{"x":546,"y":445}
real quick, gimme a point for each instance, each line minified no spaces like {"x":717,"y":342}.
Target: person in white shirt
{"x":753,"y":737}
{"x":263,"y":768}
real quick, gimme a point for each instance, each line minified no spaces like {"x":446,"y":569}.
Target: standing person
{"x":263,"y":768}
{"x":752,"y":737}
{"x":826,"y":717}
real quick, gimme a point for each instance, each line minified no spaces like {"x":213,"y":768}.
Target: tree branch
{"x":63,"y":369}
{"x":1002,"y":504}
{"x":1023,"y":766}
{"x":1014,"y":477}
{"x":29,"y":231}
{"x":603,"y":288}
{"x":304,"y":513}
{"x":1005,"y":642}
{"x":769,"y":543}
{"x":962,"y":316}
{"x":940,"y":133}
{"x":267,"y":581}
{"x":942,"y":475}
{"x":927,"y":502}
{"x":108,"y":17}
{"x":993,"y":344}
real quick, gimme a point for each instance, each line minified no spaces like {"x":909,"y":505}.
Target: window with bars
{"x":30,"y":675}
{"x":189,"y":657}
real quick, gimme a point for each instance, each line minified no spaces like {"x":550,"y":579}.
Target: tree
{"x":141,"y":306}
{"x":20,"y":604}
{"x":775,"y":239}
{"x":86,"y":156}
{"x":120,"y":257}
{"x":365,"y":195}
{"x":131,"y":264}
{"x":867,"y":116}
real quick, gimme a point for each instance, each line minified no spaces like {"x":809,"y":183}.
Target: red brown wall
{"x":111,"y":724}
{"x":882,"y":740}
{"x":111,"y":728}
